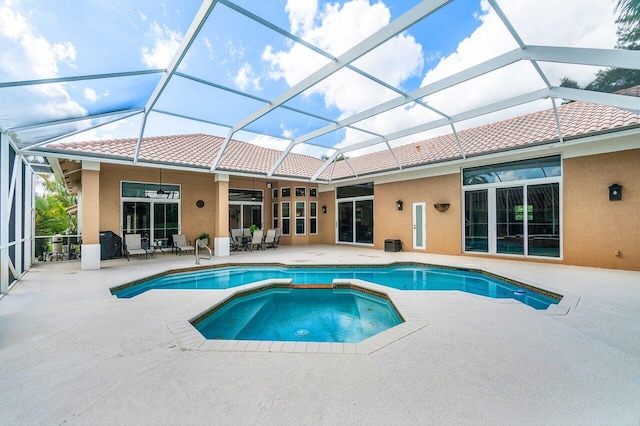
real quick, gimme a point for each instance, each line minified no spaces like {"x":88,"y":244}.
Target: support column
{"x":90,"y":258}
{"x":29,"y":253}
{"x":221,"y":213}
{"x":18,"y":203}
{"x":4,"y":214}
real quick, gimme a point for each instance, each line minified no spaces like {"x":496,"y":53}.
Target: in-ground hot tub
{"x":342,"y":314}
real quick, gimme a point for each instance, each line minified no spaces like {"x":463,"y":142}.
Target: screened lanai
{"x":330,"y":80}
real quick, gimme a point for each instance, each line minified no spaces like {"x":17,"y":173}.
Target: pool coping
{"x":189,"y":338}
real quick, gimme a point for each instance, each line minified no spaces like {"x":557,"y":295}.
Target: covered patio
{"x":72,"y":353}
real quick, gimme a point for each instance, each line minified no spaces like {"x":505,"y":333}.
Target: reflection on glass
{"x":165,"y":222}
{"x":251,"y":215}
{"x":513,"y":171}
{"x":364,"y":221}
{"x":510,"y":215}
{"x":234,"y":216}
{"x":137,"y":220}
{"x":476,"y":220}
{"x":544,"y":221}
{"x":345,"y":222}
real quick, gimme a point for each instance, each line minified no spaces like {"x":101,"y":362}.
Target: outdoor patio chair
{"x":270,"y":239}
{"x":133,"y":246}
{"x":236,"y":239}
{"x":256,"y":240}
{"x":276,"y":241}
{"x":180,"y":244}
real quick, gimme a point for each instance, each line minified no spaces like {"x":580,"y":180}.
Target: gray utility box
{"x":392,"y":245}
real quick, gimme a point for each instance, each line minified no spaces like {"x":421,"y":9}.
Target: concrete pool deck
{"x":70,"y":352}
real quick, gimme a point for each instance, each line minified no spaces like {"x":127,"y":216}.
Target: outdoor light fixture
{"x":160,"y":191}
{"x":615,"y":192}
{"x":324,"y":209}
{"x":268,"y":184}
{"x":399,"y":205}
{"x":442,"y":207}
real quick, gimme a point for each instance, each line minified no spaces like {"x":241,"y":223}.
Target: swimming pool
{"x":300,"y":315}
{"x":403,"y":277}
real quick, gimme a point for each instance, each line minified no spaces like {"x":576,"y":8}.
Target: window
{"x":300,"y":218}
{"x":313,"y":217}
{"x":313,"y":192}
{"x":301,"y":191}
{"x":274,"y":193}
{"x":149,"y":190}
{"x":275,"y":215}
{"x":359,"y":190}
{"x":286,"y":218}
{"x":286,"y":192}
{"x":538,"y":168}
{"x":244,"y":195}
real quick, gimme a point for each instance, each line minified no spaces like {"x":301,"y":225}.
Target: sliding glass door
{"x":243,"y":215}
{"x":521,"y":220}
{"x":513,"y":208}
{"x":153,"y":220}
{"x":355,"y":221}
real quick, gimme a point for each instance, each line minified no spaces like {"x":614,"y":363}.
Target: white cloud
{"x":268,"y":142}
{"x":574,"y":23}
{"x":335,"y":32}
{"x":26,"y":54}
{"x":246,"y":77}
{"x":165,"y":45}
{"x":91,"y":95}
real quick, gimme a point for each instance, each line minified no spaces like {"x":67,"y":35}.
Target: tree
{"x":572,"y":84}
{"x":614,"y":79}
{"x":51,"y":213}
{"x":629,"y":11}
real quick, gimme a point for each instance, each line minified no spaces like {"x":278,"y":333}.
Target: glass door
{"x":364,"y":221}
{"x":345,"y":221}
{"x":136,"y":219}
{"x":510,"y":214}
{"x":355,"y":221}
{"x":165,"y":223}
{"x":243,"y":215}
{"x":251,"y":215}
{"x":543,"y":220}
{"x":476,"y":221}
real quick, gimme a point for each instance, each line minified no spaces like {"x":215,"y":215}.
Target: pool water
{"x":399,"y":277}
{"x":304,"y":315}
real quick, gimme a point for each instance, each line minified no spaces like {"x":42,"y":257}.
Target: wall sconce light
{"x":615,"y":192}
{"x":268,"y":184}
{"x":399,"y":205}
{"x":442,"y":207}
{"x":324,"y":209}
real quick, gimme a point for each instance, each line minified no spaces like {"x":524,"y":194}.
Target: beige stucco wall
{"x":594,"y":227}
{"x":90,"y":202}
{"x":195,"y":186}
{"x":443,"y":228}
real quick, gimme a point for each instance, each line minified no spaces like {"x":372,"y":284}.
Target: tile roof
{"x":577,"y":119}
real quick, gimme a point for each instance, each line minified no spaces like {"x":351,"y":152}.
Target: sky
{"x":65,"y":38}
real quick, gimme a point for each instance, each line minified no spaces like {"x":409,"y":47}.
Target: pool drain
{"x":302,"y":332}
